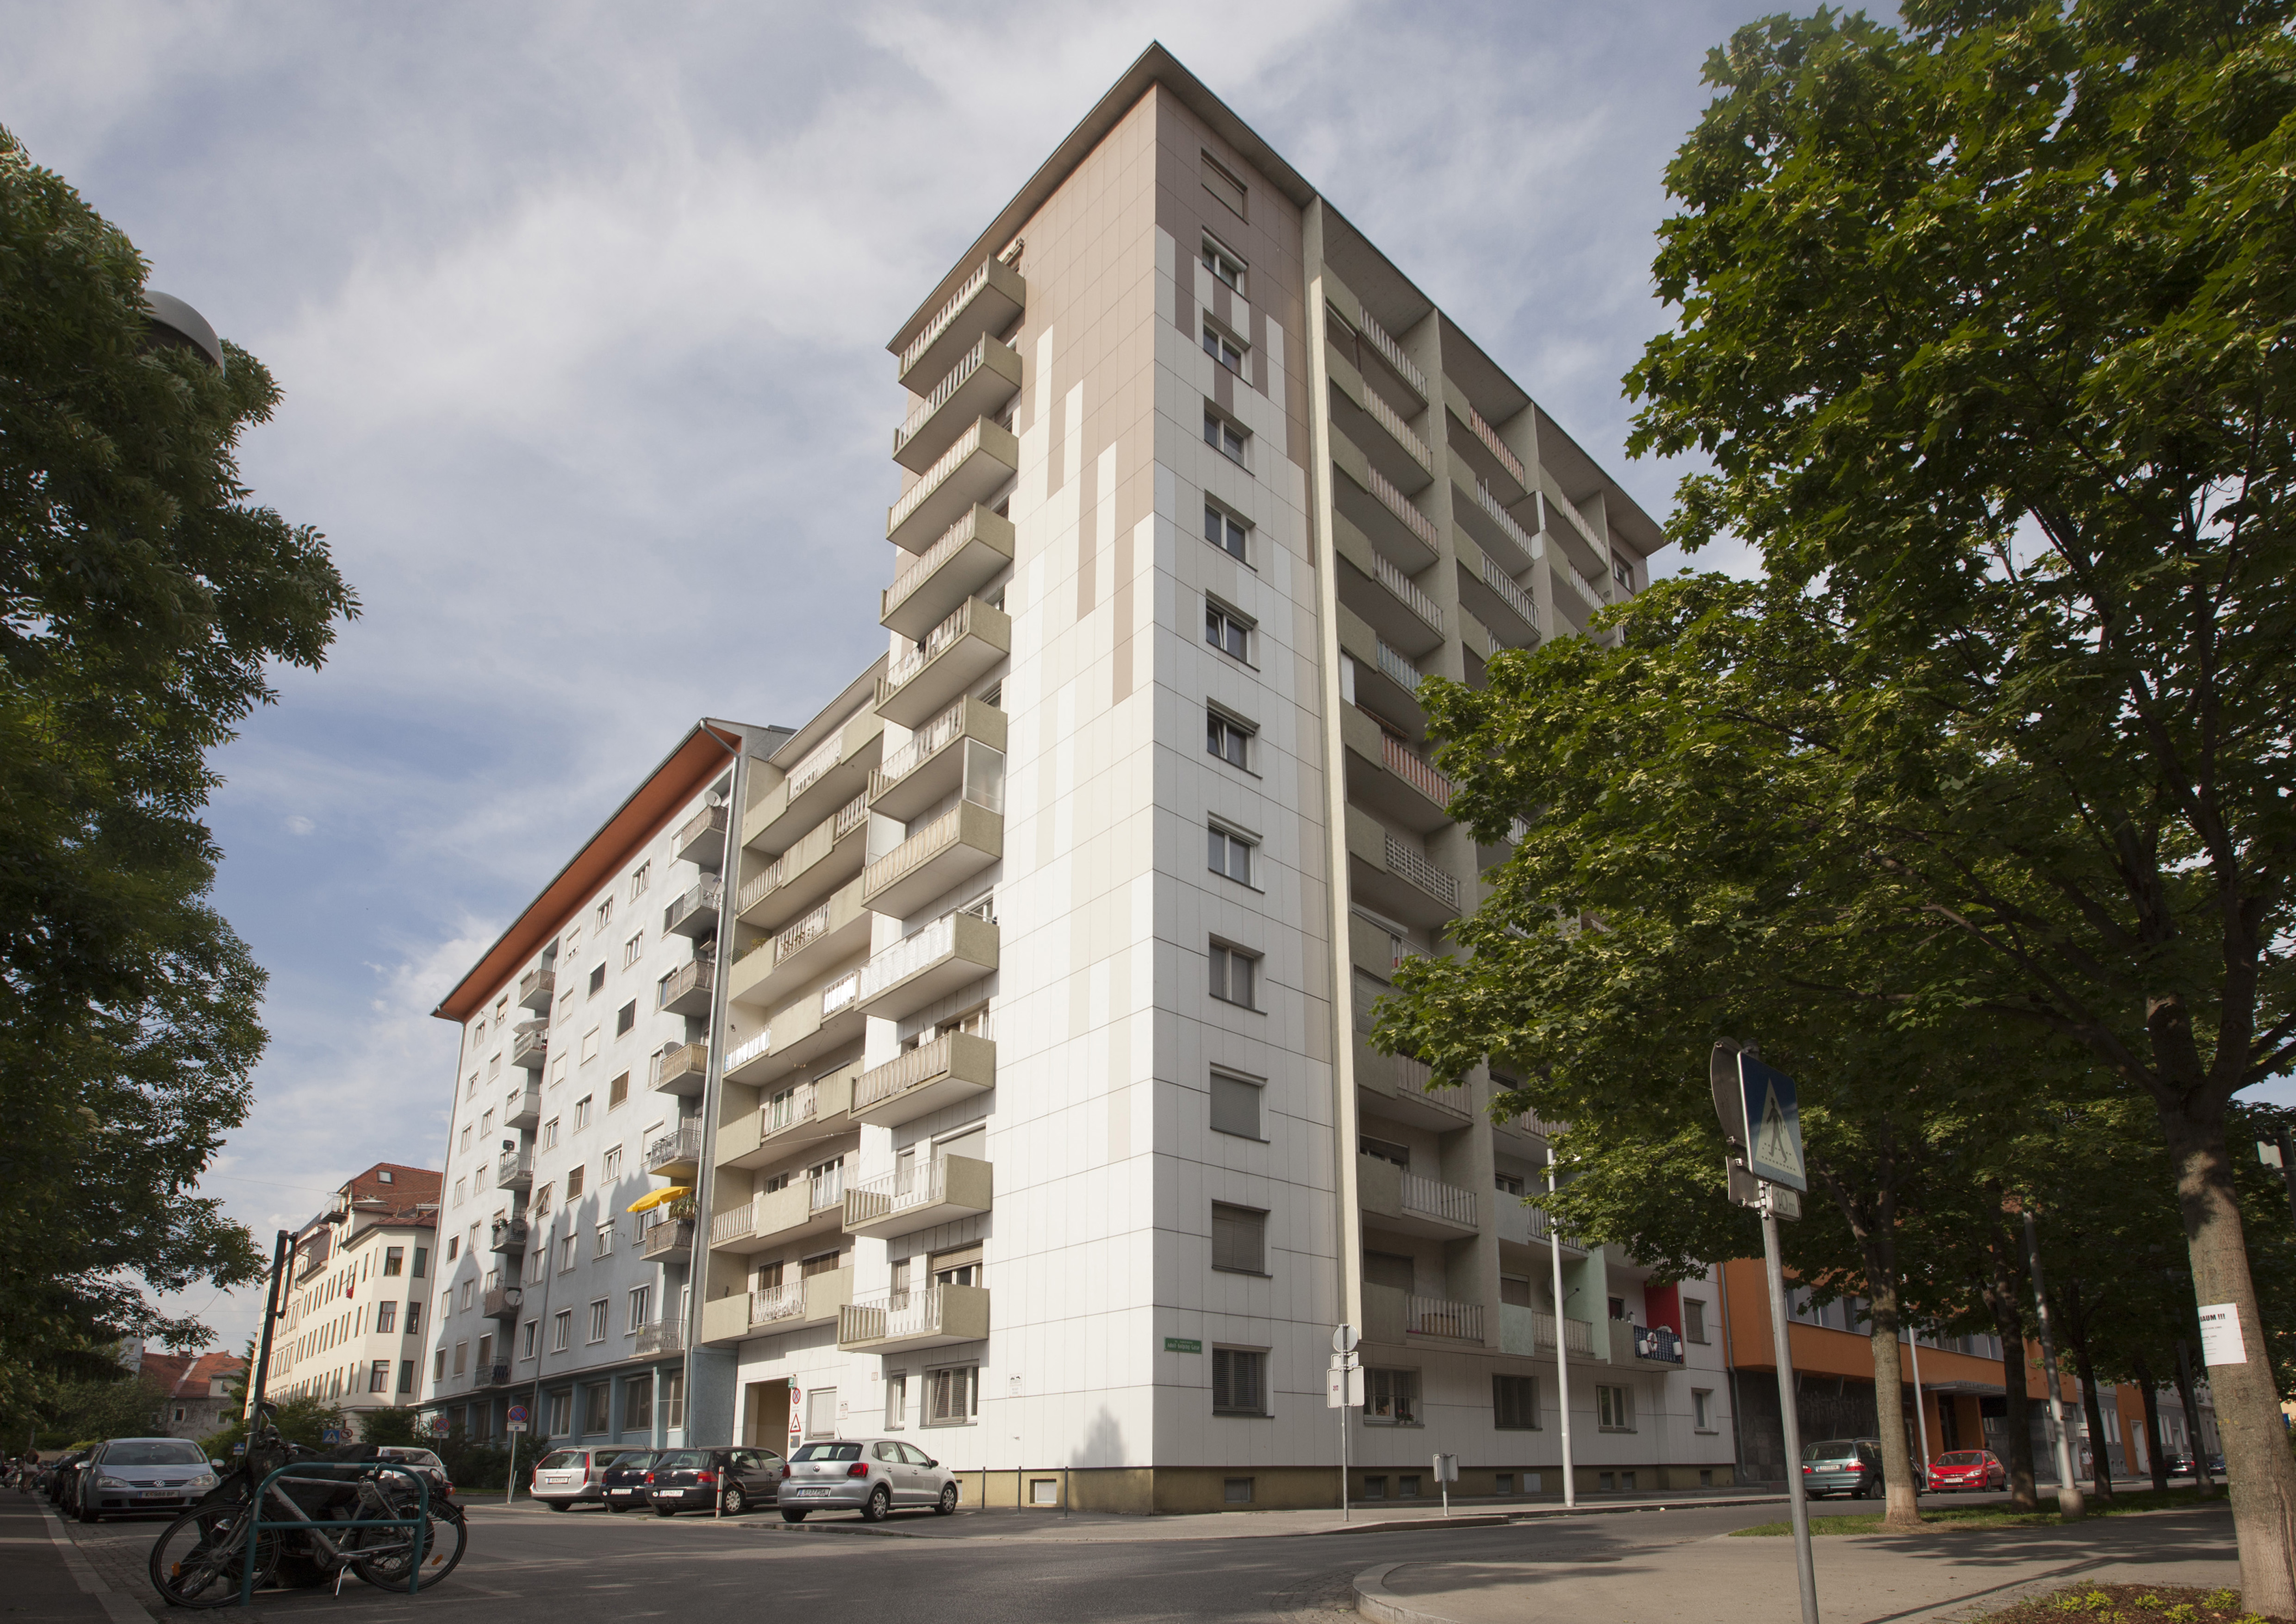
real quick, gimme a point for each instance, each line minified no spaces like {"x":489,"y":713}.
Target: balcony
{"x":515,"y":1170}
{"x":986,"y":301}
{"x":968,"y":555}
{"x":830,"y":855}
{"x":501,"y":1302}
{"x":1399,"y":1083}
{"x":984,"y":378}
{"x":790,"y":1119}
{"x":1377,"y":428}
{"x":524,"y":1108}
{"x":1389,"y":873}
{"x":670,"y":1241}
{"x":775,"y":967}
{"x":834,"y":774}
{"x":812,"y":1301}
{"x":1413,"y":1205}
{"x":1388,"y":779}
{"x":677,"y":1155}
{"x":943,"y":757}
{"x":1645,"y":1347}
{"x":1495,"y":530}
{"x":1525,"y":1226}
{"x":897,"y":1321}
{"x":686,"y":990}
{"x":948,"y":1188}
{"x":980,"y":463}
{"x":1499,"y":451}
{"x":1578,"y":1335}
{"x":695,"y":913}
{"x":536,"y":988}
{"x":530,"y":1048}
{"x":947,"y":851}
{"x":952,"y":952}
{"x":1388,"y":350}
{"x":680,"y":1069}
{"x":1488,"y":593}
{"x":958,"y":653}
{"x":1374,"y":503}
{"x":1435,"y":1317}
{"x":702,"y":841}
{"x":1432,"y":882}
{"x":660,"y":1336}
{"x":802,"y":1207}
{"x":812,"y":1026}
{"x":507,"y":1235}
{"x":955,"y":1066}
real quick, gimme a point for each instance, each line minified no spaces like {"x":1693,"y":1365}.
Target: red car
{"x":1965,"y":1469}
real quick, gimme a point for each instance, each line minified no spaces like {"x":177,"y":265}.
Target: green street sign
{"x":1182,"y":1344}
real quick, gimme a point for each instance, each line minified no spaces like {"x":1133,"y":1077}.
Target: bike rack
{"x":419,"y":1525}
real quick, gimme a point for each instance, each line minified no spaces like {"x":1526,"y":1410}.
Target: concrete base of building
{"x":1190,"y":1490}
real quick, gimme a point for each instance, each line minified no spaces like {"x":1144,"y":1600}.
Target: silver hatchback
{"x":874,"y":1476}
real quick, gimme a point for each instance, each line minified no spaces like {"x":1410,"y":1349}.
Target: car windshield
{"x":561,"y":1460}
{"x":155,"y":1452}
{"x":1966,"y":1457}
{"x":1839,"y":1450}
{"x":681,"y":1460}
{"x":827,"y":1452}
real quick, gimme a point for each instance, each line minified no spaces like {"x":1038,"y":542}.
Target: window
{"x":1614,"y":1408}
{"x":952,"y":1395}
{"x":632,"y":950}
{"x":1223,"y":349}
{"x":1225,"y":530}
{"x":673,"y":1399}
{"x":1227,"y":631}
{"x":1227,"y":853}
{"x":469,"y":1287}
{"x":1221,"y":263}
{"x":562,"y":1336}
{"x":414,"y":1316}
{"x":1236,"y":1106}
{"x":1235,"y":975}
{"x":961,"y":1266}
{"x":1238,"y":1382}
{"x":1222,"y":184}
{"x":637,"y":1403}
{"x":1694,"y":1320}
{"x":1514,"y":1403}
{"x":421,"y":1261}
{"x":597,"y":1406}
{"x":573,"y":1181}
{"x":582,"y":1108}
{"x":465,"y":1148}
{"x":597,"y":980}
{"x":472,"y":1093}
{"x":1222,"y":435}
{"x":625,"y":1018}
{"x":1391,"y":1398}
{"x":378,"y":1377}
{"x":1384,"y":1150}
{"x":386,"y":1319}
{"x":604,"y":1246}
{"x":438,"y":1366}
{"x":529,"y":1336}
{"x":561,"y":1412}
{"x":406,"y":1375}
{"x":1239,"y":1239}
{"x":1228,"y":738}
{"x":604,"y":913}
{"x":461,"y":1358}
{"x":589,"y":1054}
{"x":565,"y":1254}
{"x":1622,"y":572}
{"x":394,"y":1259}
{"x":641,"y":1299}
{"x":640,"y":878}
{"x":486,"y":1357}
{"x":1701,"y":1408}
{"x":609,"y":1165}
{"x":618,"y":1090}
{"x":896,"y":1400}
{"x":821,"y":1413}
{"x":597,"y":1321}
{"x":550,"y":1134}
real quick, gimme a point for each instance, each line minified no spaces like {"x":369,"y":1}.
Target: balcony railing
{"x":817,"y":761}
{"x":967,"y":445}
{"x":893,"y":1193}
{"x":1406,"y":864}
{"x":708,"y":821}
{"x":1391,"y":352}
{"x":535,"y":989}
{"x":920,"y":849}
{"x":669,"y":1238}
{"x":1386,"y":418}
{"x":515,"y":1167}
{"x":777,"y":1302}
{"x":948,"y":631}
{"x":1578,"y":1335}
{"x":917,"y":568}
{"x":777,"y":873}
{"x":1412,"y":1076}
{"x":529,"y":1046}
{"x":1657,"y":1343}
{"x":1432,"y":1198}
{"x":733,"y":1223}
{"x":660,"y":1336}
{"x":942,"y":318}
{"x":906,"y":956}
{"x":923,"y":745}
{"x":801,"y":1103}
{"x":680,"y":1144}
{"x":1497,"y":447}
{"x":1418,"y":523}
{"x":679,"y":1064}
{"x":1509,"y":525}
{"x":693,"y":977}
{"x":925,"y":408}
{"x":1435,"y":1317}
{"x":1509,"y":593}
{"x":1397,"y":666}
{"x":802,"y":934}
{"x":840,"y":993}
{"x":702,"y":900}
{"x":1414,"y":770}
{"x":1417,"y":602}
{"x":893,"y":1315}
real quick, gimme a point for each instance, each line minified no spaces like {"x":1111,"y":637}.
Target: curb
{"x":121,"y":1609}
{"x":1374,"y":1600}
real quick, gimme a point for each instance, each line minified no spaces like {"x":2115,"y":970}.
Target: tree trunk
{"x":2149,"y":1385}
{"x":2195,"y":1443}
{"x":2005,"y":1297}
{"x":2259,"y":1468}
{"x":1903,"y":1509}
{"x":2100,"y":1446}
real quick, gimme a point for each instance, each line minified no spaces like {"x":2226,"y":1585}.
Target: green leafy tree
{"x":303,"y":1420}
{"x":142,"y":594}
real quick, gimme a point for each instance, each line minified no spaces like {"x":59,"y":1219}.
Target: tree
{"x":142,"y":594}
{"x":1984,"y":330}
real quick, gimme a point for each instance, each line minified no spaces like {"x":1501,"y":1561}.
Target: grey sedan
{"x":870,"y":1475}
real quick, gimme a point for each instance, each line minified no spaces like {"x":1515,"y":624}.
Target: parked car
{"x":422,"y":1461}
{"x":124,"y":1476}
{"x":870,"y":1475}
{"x":625,"y":1480}
{"x":568,"y":1478}
{"x":692,"y":1480}
{"x":1842,"y":1466}
{"x":1964,"y":1471}
{"x":56,"y":1477}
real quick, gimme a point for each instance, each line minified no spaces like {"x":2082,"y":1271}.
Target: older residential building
{"x":356,"y":1284}
{"x":195,"y":1391}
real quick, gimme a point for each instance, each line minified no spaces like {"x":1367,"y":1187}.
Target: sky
{"x":580,"y":311}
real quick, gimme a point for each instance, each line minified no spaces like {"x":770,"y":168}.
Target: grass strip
{"x":2130,"y":1604}
{"x":1997,"y":1515}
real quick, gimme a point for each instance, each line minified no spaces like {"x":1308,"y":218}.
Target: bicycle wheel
{"x":201,"y":1560}
{"x":386,"y":1570}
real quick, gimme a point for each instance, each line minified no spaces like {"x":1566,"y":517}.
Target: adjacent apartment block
{"x":357,"y":1282}
{"x":1030,"y":1103}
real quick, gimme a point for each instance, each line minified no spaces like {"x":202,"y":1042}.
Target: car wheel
{"x":617,"y":1510}
{"x":946,"y":1505}
{"x":790,"y":1514}
{"x":665,"y":1510}
{"x":881,"y":1501}
{"x":559,"y":1504}
{"x":736,"y":1502}
{"x":83,"y":1511}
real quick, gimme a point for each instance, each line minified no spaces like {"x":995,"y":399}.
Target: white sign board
{"x":1446,"y":1468}
{"x":2221,"y":1342}
{"x":1343,"y":1389}
{"x":515,"y":1426}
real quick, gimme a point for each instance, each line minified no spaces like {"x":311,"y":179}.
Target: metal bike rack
{"x":418,"y":1525}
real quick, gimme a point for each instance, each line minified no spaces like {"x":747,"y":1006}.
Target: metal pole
{"x":510,"y":1485}
{"x":1345,"y":1515}
{"x":1920,"y":1417}
{"x":257,"y":1377}
{"x":2069,"y":1502}
{"x":2287,"y":1167}
{"x":1562,"y":1350}
{"x":1781,"y":1346}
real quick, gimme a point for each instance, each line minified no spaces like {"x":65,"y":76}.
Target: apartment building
{"x":357,"y":1282}
{"x":195,"y":1391}
{"x":586,"y":1044}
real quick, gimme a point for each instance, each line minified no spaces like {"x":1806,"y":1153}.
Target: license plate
{"x":813,"y":1491}
{"x":622,"y":1491}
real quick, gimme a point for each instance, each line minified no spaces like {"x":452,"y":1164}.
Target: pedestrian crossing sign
{"x":1773,"y":1125}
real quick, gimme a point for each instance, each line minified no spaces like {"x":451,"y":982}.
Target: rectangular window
{"x":637,"y":1405}
{"x":1701,"y":1408}
{"x":1221,"y":263}
{"x":562,"y":1330}
{"x":1227,"y":854}
{"x":530,"y":1337}
{"x":952,"y":1395}
{"x":413,"y":1318}
{"x":562,"y":1414}
{"x":421,"y":1261}
{"x":565,"y":1254}
{"x":1694,"y":1320}
{"x":1227,"y":631}
{"x":589,"y":1053}
{"x":1222,"y":435}
{"x":574,"y":1181}
{"x":673,"y":1399}
{"x":605,"y":912}
{"x":632,"y":950}
{"x":1238,"y":1382}
{"x":378,"y":1377}
{"x":1223,"y":349}
{"x":609,"y":1165}
{"x":1614,"y":1408}
{"x":641,"y":1299}
{"x":394,"y":1259}
{"x":896,"y":1400}
{"x":1225,"y":531}
{"x":821,"y":1413}
{"x":461,"y":1358}
{"x":1235,"y":975}
{"x":1239,"y":1239}
{"x":618,"y":1090}
{"x":1391,"y":1398}
{"x":598,"y":1321}
{"x":1228,"y":738}
{"x":605,"y":1242}
{"x":1236,"y":1106}
{"x":1384,"y":1150}
{"x":550,"y":1134}
{"x":486,"y":1358}
{"x":1514,"y":1403}
{"x":469,"y":1286}
{"x":582,"y":1108}
{"x":597,"y":984}
{"x":406,"y":1375}
{"x":386,"y":1318}
{"x":597,"y":1406}
{"x":1222,"y":184}
{"x":438,"y":1366}
{"x":458,"y":1183}
{"x":641,"y":877}
{"x":625,"y":1018}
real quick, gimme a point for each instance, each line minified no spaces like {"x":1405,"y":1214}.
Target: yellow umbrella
{"x":647,"y":1203}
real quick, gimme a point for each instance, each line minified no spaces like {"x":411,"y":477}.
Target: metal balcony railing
{"x":898,"y":674}
{"x":513,"y":1165}
{"x":708,"y":821}
{"x":660,"y":1336}
{"x":537,"y":983}
{"x":1497,"y":447}
{"x":701,"y":898}
{"x":1390,"y":576}
{"x":1657,"y":1343}
{"x":942,"y":318}
{"x":801,"y":1103}
{"x":918,"y":568}
{"x":686,"y":978}
{"x":779,"y":872}
{"x":1398,"y":667}
{"x":1406,"y":864}
{"x":923,"y":745}
{"x":1509,"y":593}
{"x":679,"y":1061}
{"x":933,"y":478}
{"x":1412,"y":1076}
{"x":666,"y":1238}
{"x":1435,"y":1317}
{"x":1578,"y":1335}
{"x":890,"y":1314}
{"x":802,"y":935}
{"x":1505,"y":521}
{"x":818,"y":760}
{"x":1386,"y":418}
{"x":1431,"y":1198}
{"x":1391,"y":352}
{"x":825,"y":1190}
{"x":679,"y":1144}
{"x":840,"y":993}
{"x":1414,"y":770}
{"x":890,"y":1193}
{"x":906,"y":956}
{"x":733,"y":1223}
{"x":922,"y":411}
{"x":1418,"y":523}
{"x":531,"y":1041}
{"x":926,"y":844}
{"x":777,"y":1302}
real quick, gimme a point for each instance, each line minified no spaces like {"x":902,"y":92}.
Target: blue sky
{"x":580,"y":310}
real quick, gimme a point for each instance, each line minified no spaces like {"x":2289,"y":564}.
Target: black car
{"x":61,"y":1474}
{"x":624,"y":1484}
{"x":732,"y":1480}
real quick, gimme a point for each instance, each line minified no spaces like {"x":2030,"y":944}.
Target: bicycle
{"x":215,"y":1552}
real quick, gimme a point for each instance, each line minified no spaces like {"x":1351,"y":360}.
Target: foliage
{"x":393,"y":1426}
{"x":2093,"y":1604}
{"x":303,"y":1420}
{"x":114,"y":1404}
{"x":471,"y":1465}
{"x":142,"y":596}
{"x":1993,"y":1516}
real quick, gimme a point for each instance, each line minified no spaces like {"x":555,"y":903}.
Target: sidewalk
{"x":44,"y":1576}
{"x":1943,"y":1577}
